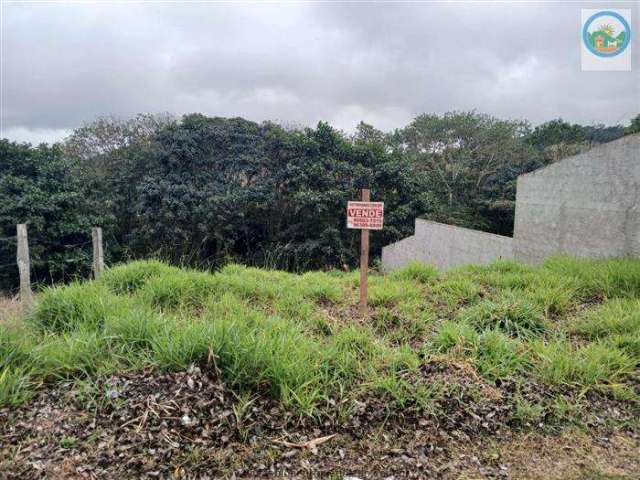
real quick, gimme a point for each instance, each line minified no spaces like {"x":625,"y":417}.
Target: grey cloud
{"x":63,"y":65}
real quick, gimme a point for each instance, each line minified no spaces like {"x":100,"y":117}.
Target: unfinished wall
{"x":446,"y":246}
{"x":587,"y":205}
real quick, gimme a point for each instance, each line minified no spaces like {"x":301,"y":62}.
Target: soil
{"x":190,"y":425}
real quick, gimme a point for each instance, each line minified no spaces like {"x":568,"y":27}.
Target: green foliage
{"x":15,"y":386}
{"x":183,"y":288}
{"x":40,"y":187}
{"x":296,"y":338}
{"x":618,"y":316}
{"x":421,"y":272}
{"x":75,"y":306}
{"x":383,"y":292}
{"x":511,"y":313}
{"x":600,"y":278}
{"x":457,"y":290}
{"x":203,"y":191}
{"x":498,"y":356}
{"x":132,"y":276}
{"x":558,"y":362}
{"x":490,"y":152}
{"x":455,"y":334}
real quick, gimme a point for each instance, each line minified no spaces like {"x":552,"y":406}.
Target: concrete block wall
{"x":587,"y":205}
{"x":446,"y":246}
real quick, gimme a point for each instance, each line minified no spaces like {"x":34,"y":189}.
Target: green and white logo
{"x":606,"y":40}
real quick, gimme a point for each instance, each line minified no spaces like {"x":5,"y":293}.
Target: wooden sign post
{"x":365,"y":215}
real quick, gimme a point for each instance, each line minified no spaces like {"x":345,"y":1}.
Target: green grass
{"x":297,"y":338}
{"x":415,"y":271}
{"x":618,"y":316}
{"x":511,"y":313}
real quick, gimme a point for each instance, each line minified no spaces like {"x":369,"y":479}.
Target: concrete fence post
{"x":98,"y":255}
{"x":24,"y":268}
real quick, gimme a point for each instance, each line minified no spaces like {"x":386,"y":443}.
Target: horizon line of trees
{"x":202,"y":191}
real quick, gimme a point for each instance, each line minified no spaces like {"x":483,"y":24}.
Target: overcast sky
{"x":63,"y":64}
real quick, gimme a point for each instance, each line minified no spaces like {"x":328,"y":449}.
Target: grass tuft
{"x":415,"y":271}
{"x":511,"y":313}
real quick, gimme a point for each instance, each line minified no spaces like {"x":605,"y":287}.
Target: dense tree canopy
{"x":38,"y":186}
{"x":202,"y":191}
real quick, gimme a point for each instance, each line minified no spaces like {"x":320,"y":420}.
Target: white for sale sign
{"x":365,"y":215}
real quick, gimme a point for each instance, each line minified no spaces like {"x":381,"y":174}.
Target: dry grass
{"x":10,"y":309}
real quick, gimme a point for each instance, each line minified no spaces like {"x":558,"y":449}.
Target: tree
{"x":472,"y":158}
{"x":634,"y":127}
{"x":38,"y":187}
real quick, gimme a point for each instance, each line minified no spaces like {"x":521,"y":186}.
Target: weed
{"x":68,"y":441}
{"x":527,"y":412}
{"x":130,"y":277}
{"x":15,"y":386}
{"x":384,"y":292}
{"x":498,"y":356}
{"x":455,"y":334}
{"x":75,"y":306}
{"x":185,"y":288}
{"x":511,"y":313}
{"x":617,"y":316}
{"x":558,"y":362}
{"x":457,"y":290}
{"x":415,"y":271}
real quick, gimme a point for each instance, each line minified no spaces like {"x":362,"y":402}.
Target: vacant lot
{"x":499,"y":371}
